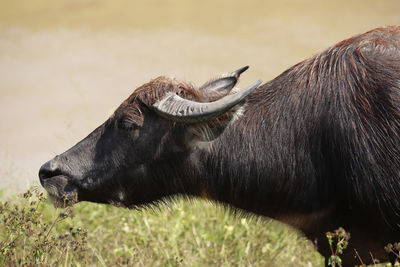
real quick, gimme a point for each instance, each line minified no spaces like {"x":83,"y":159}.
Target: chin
{"x":60,"y":191}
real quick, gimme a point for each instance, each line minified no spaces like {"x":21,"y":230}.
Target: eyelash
{"x":127,"y":125}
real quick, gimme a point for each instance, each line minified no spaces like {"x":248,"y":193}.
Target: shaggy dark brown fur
{"x":322,"y":141}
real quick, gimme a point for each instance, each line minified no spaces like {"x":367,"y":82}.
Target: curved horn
{"x":176,"y":108}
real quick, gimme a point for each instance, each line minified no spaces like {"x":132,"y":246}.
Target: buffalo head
{"x":139,"y":154}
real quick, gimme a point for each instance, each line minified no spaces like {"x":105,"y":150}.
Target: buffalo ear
{"x":200,"y":133}
{"x":217,"y":88}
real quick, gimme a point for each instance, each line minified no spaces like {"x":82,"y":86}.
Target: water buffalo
{"x":318,"y":147}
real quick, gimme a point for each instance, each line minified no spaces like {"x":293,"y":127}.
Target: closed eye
{"x":127,"y":125}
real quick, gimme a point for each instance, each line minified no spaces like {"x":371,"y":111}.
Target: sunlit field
{"x":66,"y":65}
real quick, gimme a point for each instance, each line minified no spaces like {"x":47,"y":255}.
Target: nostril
{"x":44,"y":174}
{"x":48,"y":170}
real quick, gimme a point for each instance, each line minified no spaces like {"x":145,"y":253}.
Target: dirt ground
{"x":58,"y":82}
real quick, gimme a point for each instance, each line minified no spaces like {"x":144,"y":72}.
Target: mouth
{"x":61,"y":192}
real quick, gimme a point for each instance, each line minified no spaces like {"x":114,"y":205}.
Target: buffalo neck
{"x":266,"y":161}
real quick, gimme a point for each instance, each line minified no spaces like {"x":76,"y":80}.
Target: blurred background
{"x":65,"y":65}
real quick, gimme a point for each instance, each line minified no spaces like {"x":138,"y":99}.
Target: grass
{"x":188,"y":233}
